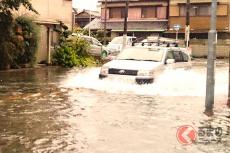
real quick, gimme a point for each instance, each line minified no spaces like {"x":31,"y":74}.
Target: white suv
{"x":144,"y":64}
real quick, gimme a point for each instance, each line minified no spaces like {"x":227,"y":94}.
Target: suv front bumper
{"x":138,"y":79}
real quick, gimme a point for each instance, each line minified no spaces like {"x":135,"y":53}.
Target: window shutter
{"x":161,"y":12}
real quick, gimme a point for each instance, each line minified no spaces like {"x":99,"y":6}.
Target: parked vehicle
{"x":144,"y":64}
{"x":115,"y":46}
{"x":96,"y":48}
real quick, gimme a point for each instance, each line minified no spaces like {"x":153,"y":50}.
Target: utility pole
{"x":105,"y":22}
{"x":228,"y":103}
{"x":210,"y":83}
{"x":89,"y":22}
{"x":125,"y":24}
{"x":187,"y":27}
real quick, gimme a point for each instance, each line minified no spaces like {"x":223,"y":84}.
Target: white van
{"x":96,"y":48}
{"x":115,"y":46}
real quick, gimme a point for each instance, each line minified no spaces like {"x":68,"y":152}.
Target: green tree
{"x":80,"y":31}
{"x":30,"y":38}
{"x":63,"y":32}
{"x":8,"y":49}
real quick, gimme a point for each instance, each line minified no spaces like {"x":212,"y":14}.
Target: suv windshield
{"x":142,"y":54}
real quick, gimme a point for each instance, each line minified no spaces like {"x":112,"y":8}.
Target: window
{"x":185,"y":57}
{"x":196,"y":10}
{"x":117,"y":13}
{"x":88,"y":39}
{"x":204,"y":10}
{"x":148,"y":12}
{"x":177,"y":56}
{"x":182,"y":10}
{"x":134,"y":39}
{"x":96,"y":42}
{"x":169,"y":55}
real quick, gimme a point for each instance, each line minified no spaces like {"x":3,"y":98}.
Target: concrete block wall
{"x":200,"y":48}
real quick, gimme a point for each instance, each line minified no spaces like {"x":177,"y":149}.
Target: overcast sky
{"x":85,"y":4}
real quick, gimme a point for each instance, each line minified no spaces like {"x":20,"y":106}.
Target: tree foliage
{"x":80,"y":31}
{"x":9,"y":5}
{"x":63,"y":32}
{"x":8,"y":46}
{"x":28,"y":44}
{"x":72,"y":53}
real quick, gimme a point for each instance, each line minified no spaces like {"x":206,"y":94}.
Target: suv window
{"x":134,"y":39}
{"x":169,"y":55}
{"x":129,"y":41}
{"x":88,"y":39}
{"x":95,"y":42}
{"x":177,"y":56}
{"x":185,"y":57}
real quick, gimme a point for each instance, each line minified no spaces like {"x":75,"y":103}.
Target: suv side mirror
{"x":170,"y":61}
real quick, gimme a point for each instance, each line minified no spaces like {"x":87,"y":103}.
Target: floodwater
{"x":55,"y":110}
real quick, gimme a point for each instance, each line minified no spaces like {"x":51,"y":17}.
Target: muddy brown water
{"x":56,"y":110}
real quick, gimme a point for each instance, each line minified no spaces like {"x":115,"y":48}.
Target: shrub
{"x":73,"y":53}
{"x":63,"y":33}
{"x":65,"y":56}
{"x":80,"y":31}
{"x":99,"y":35}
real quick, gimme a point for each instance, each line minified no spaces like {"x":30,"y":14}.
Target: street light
{"x":210,"y":83}
{"x":176,"y":27}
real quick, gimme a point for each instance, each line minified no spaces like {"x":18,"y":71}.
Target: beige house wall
{"x":54,"y":10}
{"x":50,"y":13}
{"x":42,"y":51}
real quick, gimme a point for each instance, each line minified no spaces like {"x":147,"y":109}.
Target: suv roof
{"x":127,"y":36}
{"x":163,"y":48}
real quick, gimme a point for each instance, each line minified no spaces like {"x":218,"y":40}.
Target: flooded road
{"x":55,"y":110}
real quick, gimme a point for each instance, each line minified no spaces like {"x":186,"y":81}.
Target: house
{"x":200,"y":16}
{"x":48,"y":19}
{"x":81,"y":19}
{"x":145,"y":17}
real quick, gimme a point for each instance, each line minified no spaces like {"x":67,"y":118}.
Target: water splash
{"x":170,"y":83}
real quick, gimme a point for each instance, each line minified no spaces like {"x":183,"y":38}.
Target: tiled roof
{"x":94,"y":13}
{"x":132,"y":25}
{"x":95,"y":24}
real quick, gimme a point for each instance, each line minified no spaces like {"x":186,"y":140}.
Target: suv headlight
{"x":104,"y":70}
{"x":145,"y":73}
